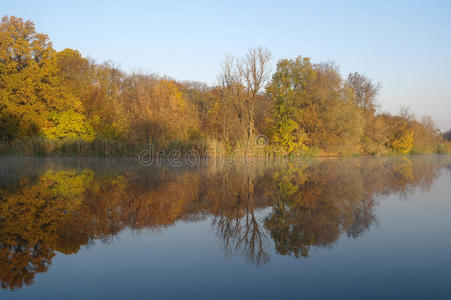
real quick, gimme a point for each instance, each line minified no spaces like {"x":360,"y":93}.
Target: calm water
{"x":349,"y":228}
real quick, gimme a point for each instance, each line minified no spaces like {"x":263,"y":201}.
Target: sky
{"x":403,"y":45}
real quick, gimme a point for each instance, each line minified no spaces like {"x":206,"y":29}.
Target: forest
{"x":61,"y":103}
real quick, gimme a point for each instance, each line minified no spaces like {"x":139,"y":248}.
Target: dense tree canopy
{"x":30,"y":85}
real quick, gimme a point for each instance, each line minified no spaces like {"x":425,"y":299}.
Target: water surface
{"x":348,"y":228}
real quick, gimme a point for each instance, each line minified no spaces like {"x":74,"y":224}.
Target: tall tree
{"x":29,"y":85}
{"x":365,"y":91}
{"x":242,"y":79}
{"x":312,"y":109}
{"x":289,"y":92}
{"x":157,"y":110}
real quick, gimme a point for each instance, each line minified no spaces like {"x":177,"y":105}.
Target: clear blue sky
{"x":404,"y":45}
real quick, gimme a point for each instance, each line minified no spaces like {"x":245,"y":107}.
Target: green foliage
{"x":288,"y":92}
{"x":312,"y":109}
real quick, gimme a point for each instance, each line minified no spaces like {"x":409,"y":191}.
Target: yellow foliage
{"x":69,"y":125}
{"x":28,"y":74}
{"x":403,"y":141}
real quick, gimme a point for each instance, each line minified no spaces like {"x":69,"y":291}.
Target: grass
{"x":39,"y":146}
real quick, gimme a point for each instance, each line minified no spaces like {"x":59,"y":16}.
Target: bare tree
{"x":365,"y":92}
{"x":242,"y":79}
{"x":238,"y":227}
{"x":232,"y":85}
{"x":406,"y":113}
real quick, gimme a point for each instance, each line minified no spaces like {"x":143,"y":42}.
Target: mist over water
{"x":345,"y":228}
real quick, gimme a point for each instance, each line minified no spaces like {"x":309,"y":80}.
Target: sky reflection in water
{"x":325,"y":228}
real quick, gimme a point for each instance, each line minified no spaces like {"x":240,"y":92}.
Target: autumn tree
{"x":340,"y":126}
{"x":103,"y":106}
{"x":304,"y":107}
{"x":98,"y":87}
{"x":365,"y":92}
{"x":30,"y":88}
{"x":201,"y":96}
{"x":402,"y":132}
{"x":426,"y":136}
{"x":289,"y":92}
{"x":75,"y":72}
{"x":69,"y":125}
{"x":157,"y":110}
{"x":312,"y":108}
{"x":217,"y":118}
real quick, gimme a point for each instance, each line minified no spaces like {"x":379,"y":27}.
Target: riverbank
{"x":38,"y":146}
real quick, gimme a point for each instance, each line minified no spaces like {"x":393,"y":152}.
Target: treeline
{"x":59,"y":102}
{"x":447,"y":135}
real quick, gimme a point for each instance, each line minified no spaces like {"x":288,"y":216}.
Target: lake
{"x":344,"y":228}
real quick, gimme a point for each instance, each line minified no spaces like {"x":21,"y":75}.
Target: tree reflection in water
{"x":50,"y":206}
